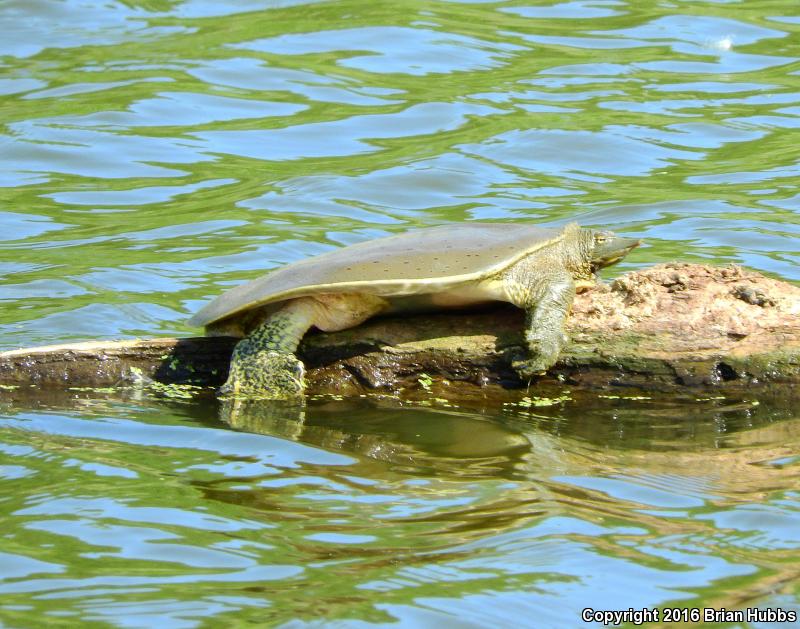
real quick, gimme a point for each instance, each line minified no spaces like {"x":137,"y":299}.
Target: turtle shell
{"x":419,"y":261}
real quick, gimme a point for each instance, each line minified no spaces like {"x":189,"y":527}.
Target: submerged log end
{"x":669,"y":326}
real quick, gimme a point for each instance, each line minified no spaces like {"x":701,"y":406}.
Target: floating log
{"x":666,"y":327}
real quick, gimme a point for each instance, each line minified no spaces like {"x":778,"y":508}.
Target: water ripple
{"x":153,"y":153}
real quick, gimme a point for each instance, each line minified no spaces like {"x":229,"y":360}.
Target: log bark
{"x":668,"y":327}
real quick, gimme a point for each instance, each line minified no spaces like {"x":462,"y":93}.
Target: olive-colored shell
{"x":419,"y":261}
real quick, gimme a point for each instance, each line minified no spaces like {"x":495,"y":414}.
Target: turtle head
{"x":609,"y":248}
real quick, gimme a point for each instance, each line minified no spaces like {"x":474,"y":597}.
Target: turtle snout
{"x":612,"y":249}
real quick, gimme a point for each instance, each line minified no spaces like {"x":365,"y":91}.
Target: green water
{"x":153,"y":153}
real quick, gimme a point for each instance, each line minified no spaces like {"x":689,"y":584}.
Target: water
{"x":155,"y":152}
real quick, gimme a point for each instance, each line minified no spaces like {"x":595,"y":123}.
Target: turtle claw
{"x":267,"y":375}
{"x":543,"y":354}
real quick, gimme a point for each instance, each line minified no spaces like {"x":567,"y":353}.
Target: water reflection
{"x":410,"y":439}
{"x":368,"y":506}
{"x":415,"y":51}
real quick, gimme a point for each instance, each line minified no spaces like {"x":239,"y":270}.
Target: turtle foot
{"x":266,"y":375}
{"x":527,"y":368}
{"x":543,"y":354}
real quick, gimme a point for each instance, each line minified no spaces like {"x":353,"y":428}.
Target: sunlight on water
{"x":153,"y":153}
{"x":379,"y":513}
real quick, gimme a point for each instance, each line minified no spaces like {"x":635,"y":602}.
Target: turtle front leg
{"x":544,"y":326}
{"x":263,"y":364}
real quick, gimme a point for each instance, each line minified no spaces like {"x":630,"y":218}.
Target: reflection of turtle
{"x":430,"y":269}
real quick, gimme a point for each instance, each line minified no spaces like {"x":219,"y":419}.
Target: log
{"x":664,"y":328}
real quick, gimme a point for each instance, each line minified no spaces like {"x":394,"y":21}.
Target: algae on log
{"x":669,"y":326}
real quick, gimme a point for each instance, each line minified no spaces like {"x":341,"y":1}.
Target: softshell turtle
{"x":450,"y":266}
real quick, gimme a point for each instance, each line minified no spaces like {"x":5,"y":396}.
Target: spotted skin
{"x":544,"y":327}
{"x":544,"y":285}
{"x":263,"y":364}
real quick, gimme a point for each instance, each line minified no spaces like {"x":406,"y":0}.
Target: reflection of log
{"x":668,"y":326}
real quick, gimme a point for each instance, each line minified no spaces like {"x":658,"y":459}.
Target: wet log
{"x":667,"y":327}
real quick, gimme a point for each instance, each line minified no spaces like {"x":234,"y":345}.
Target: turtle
{"x":458,"y":265}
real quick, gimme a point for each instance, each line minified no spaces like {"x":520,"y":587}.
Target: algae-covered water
{"x":156,"y":152}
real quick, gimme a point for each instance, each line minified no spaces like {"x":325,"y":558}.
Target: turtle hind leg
{"x":264,"y":374}
{"x":263,"y":364}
